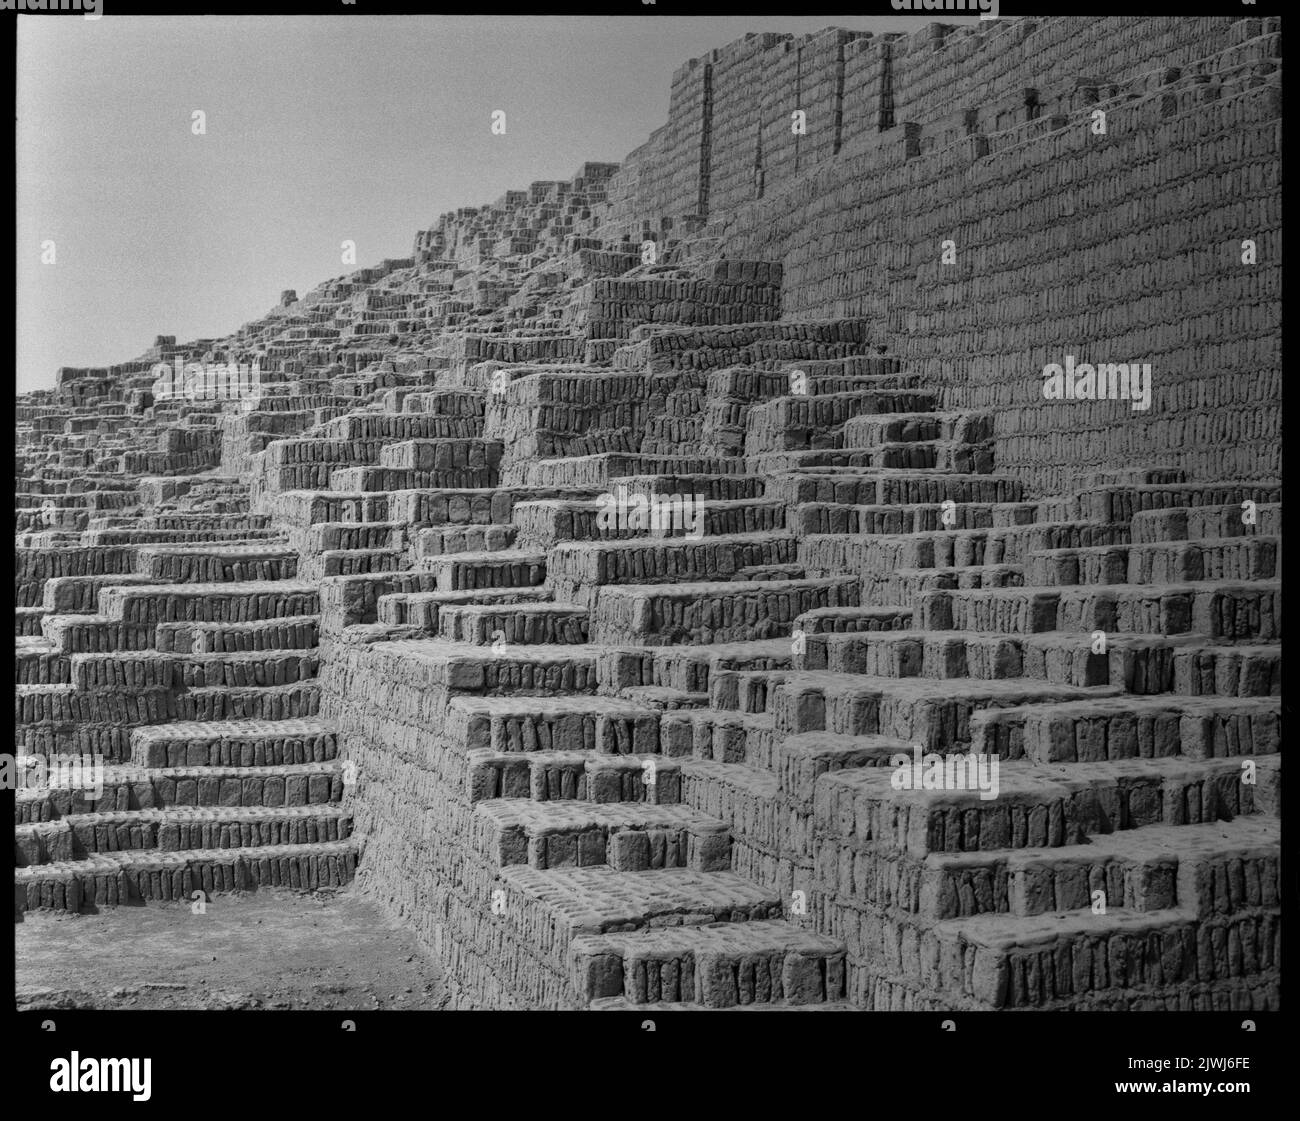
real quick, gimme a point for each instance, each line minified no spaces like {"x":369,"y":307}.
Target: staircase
{"x":167,"y":686}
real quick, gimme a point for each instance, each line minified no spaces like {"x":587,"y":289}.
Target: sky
{"x":317,"y":130}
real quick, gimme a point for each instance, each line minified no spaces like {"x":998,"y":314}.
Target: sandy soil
{"x":263,"y":950}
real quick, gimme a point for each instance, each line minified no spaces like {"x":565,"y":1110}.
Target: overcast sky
{"x":319,"y":129}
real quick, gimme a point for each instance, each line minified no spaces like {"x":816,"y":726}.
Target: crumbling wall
{"x":728,"y":139}
{"x":1152,"y":238}
{"x":1119,"y":248}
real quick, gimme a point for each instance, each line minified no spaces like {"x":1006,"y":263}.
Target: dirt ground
{"x":263,"y":950}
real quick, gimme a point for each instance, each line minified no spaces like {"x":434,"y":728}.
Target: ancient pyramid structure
{"x":578,"y":583}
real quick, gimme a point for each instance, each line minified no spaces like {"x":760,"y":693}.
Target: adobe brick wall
{"x":1119,"y":247}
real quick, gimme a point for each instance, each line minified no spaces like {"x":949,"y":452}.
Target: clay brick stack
{"x":604,"y":307}
{"x":184,"y":660}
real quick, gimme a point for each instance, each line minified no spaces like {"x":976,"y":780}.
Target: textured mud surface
{"x":266,"y":950}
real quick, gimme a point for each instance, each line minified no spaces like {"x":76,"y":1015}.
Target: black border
{"x":429,"y":1060}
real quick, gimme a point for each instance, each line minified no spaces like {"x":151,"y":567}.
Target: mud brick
{"x":1245,"y":671}
{"x":575,"y":567}
{"x":739,"y":611}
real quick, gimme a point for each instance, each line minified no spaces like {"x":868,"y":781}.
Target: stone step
{"x":1217,"y":868}
{"x":997,"y":545}
{"x":587,"y":776}
{"x":920,"y":455}
{"x":220,"y":535}
{"x":38,"y":662}
{"x":175,"y":830}
{"x":858,"y":367}
{"x":127,"y":787}
{"x":442,"y":540}
{"x":150,"y":669}
{"x":179,"y":519}
{"x":324,"y":536}
{"x":744,"y":691}
{"x":210,"y":603}
{"x":839,"y":620}
{"x":423,"y":609}
{"x":791,"y":422}
{"x":38,"y":564}
{"x":1137,"y":662}
{"x":438,"y":455}
{"x":1122,"y":503}
{"x":1164,"y":868}
{"x":731,"y":486}
{"x":627,"y":836}
{"x":74,"y":595}
{"x":1246,"y":610}
{"x":300,"y":510}
{"x":905,"y":585}
{"x":529,"y":624}
{"x":577,"y":568}
{"x":505,"y":568}
{"x":767,"y":963}
{"x":1231,"y":559}
{"x":457,"y":506}
{"x":1132,"y":476}
{"x":547,"y":910}
{"x":112,"y":741}
{"x":934,"y":713}
{"x":1130,"y":727}
{"x":106,"y":880}
{"x":1029,"y":806}
{"x":96,"y":633}
{"x":800,"y":760}
{"x":596,"y":472}
{"x":48,"y":706}
{"x":443,"y":410}
{"x":1228,"y":671}
{"x":353,"y":562}
{"x":1200,"y":523}
{"x":547,"y":523}
{"x":686,"y":669}
{"x":290,"y":453}
{"x":728,"y":737}
{"x":889,"y":487}
{"x":1006,"y":962}
{"x":664,"y":699}
{"x":235,"y":743}
{"x":870,"y":429}
{"x":739,"y":611}
{"x":216,"y":563}
{"x":297,"y":632}
{"x":385,"y":479}
{"x":552,"y":723}
{"x":746,"y":800}
{"x":809,"y":518}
